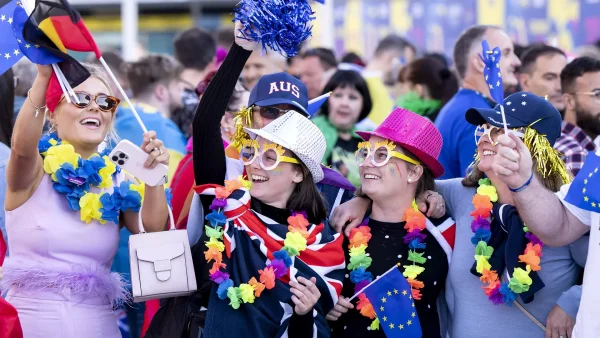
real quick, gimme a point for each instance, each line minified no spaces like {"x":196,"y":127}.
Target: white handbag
{"x":161,"y":263}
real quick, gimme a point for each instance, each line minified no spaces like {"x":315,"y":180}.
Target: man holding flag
{"x":559,"y":219}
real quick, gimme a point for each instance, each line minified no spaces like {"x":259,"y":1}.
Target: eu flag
{"x":584,"y":192}
{"x":33,"y":52}
{"x":493,"y":77}
{"x":9,"y":47}
{"x":391,"y":298}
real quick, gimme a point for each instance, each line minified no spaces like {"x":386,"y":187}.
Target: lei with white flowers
{"x":74,"y":176}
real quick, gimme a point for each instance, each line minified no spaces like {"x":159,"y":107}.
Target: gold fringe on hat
{"x":547,"y":158}
{"x":243,"y":118}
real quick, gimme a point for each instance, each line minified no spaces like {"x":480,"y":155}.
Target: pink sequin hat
{"x":414,"y":133}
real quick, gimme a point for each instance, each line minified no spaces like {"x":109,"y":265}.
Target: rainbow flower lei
{"x":360,"y":262}
{"x":73,"y":177}
{"x":294,"y":243}
{"x":497,"y":291}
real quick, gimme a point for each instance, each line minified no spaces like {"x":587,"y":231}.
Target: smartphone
{"x":132,"y":158}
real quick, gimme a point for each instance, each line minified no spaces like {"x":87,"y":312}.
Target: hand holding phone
{"x":149,"y":163}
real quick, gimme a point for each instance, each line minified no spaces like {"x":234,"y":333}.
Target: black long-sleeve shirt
{"x":210,"y":164}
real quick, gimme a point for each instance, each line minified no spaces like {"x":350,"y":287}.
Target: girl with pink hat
{"x":397,"y":161}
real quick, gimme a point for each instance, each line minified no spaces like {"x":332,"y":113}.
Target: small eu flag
{"x":584,"y":192}
{"x":391,"y":298}
{"x":493,"y":76}
{"x":9,"y":47}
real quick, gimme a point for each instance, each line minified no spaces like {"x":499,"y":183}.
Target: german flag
{"x":64,"y":26}
{"x":55,"y":26}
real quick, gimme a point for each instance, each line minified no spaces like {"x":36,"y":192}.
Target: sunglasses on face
{"x":270,"y":113}
{"x":105,"y":102}
{"x":381,"y":154}
{"x":492,"y":133}
{"x":270,"y":156}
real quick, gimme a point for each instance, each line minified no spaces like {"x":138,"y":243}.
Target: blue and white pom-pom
{"x":279,"y":25}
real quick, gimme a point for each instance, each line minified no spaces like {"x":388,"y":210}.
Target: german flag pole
{"x":62,"y":80}
{"x":113,"y":77}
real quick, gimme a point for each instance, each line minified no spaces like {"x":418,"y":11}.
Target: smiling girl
{"x":64,"y":206}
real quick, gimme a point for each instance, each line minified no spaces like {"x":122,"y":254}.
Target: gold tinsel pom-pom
{"x":547,"y":159}
{"x":243,"y":118}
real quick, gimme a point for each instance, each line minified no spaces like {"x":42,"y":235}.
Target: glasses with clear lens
{"x":270,"y":156}
{"x":493,"y":133}
{"x":382,"y":154}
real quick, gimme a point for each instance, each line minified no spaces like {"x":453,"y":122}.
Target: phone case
{"x":132,"y":158}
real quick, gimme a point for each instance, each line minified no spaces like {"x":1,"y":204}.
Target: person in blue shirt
{"x":459,"y":149}
{"x":157,"y":88}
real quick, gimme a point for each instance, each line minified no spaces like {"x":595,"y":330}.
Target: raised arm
{"x":539,"y":208}
{"x":209,"y":154}
{"x":25,"y":166}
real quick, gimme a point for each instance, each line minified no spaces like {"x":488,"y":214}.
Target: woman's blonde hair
{"x":100,"y":74}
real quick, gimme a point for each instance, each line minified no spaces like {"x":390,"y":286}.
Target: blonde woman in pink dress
{"x":58,"y":273}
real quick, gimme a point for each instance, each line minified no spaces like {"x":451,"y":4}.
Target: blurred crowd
{"x":166,"y":90}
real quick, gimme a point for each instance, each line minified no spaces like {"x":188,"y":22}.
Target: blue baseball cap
{"x":521,"y":109}
{"x":280,"y":88}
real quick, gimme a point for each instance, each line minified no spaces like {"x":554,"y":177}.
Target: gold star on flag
{"x":395,"y":291}
{"x":19,"y":41}
{"x":16,"y":52}
{"x":586,"y":199}
{"x":383,"y":300}
{"x":27,"y":46}
{"x":410,"y":297}
{"x":590,"y":175}
{"x":404,"y":292}
{"x":584,"y":190}
{"x":7,"y":56}
{"x":413,"y":304}
{"x":391,"y":326}
{"x":593,"y":205}
{"x":3,"y":18}
{"x":585,"y":181}
{"x":409,"y":323}
{"x":10,"y":20}
{"x":401,"y":327}
{"x":381,"y":309}
{"x":384,"y":319}
{"x":36,"y":46}
{"x":596,"y":170}
{"x":413,"y":315}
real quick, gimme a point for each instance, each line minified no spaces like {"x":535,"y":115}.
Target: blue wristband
{"x":523,"y":186}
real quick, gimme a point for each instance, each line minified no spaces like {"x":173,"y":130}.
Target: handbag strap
{"x":141,"y":225}
{"x":530,"y":316}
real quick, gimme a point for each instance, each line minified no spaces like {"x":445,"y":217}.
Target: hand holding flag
{"x":391,"y":298}
{"x":493,"y":76}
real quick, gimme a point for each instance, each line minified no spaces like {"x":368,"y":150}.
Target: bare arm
{"x":539,"y":208}
{"x":25,"y":165}
{"x":155,"y":212}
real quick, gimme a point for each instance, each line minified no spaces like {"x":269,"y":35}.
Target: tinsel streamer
{"x":243,"y":118}
{"x":547,"y":158}
{"x":279,"y":25}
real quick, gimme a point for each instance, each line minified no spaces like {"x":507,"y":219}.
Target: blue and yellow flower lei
{"x":73,"y":177}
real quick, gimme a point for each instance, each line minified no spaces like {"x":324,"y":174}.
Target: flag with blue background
{"x":491,"y":72}
{"x":391,"y":298}
{"x":9,"y":47}
{"x":584,"y":192}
